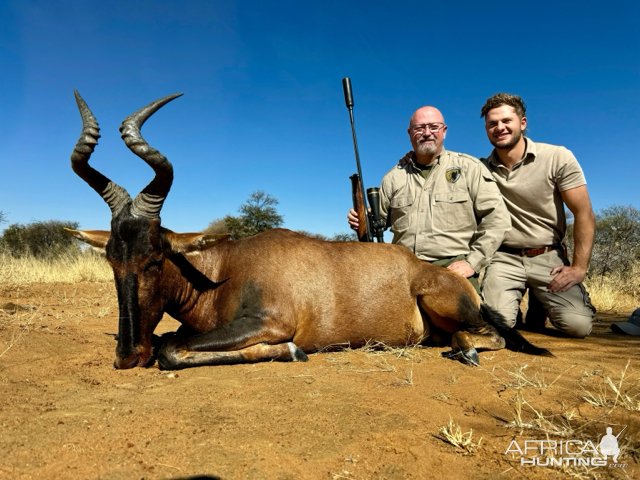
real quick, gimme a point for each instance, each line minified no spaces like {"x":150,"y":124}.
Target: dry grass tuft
{"x":527,"y":417}
{"x":520,"y":378}
{"x":610,"y":393}
{"x":71,"y":268}
{"x":568,"y":422}
{"x":409,"y":352}
{"x":615,"y":292}
{"x":22,"y":320}
{"x":382,"y":353}
{"x":452,"y":434}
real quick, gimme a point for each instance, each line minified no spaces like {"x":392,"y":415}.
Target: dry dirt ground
{"x":359,"y":414}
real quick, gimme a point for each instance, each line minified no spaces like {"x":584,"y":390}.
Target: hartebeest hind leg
{"x":454,"y":308}
{"x":472,"y":324}
{"x":478,"y":334}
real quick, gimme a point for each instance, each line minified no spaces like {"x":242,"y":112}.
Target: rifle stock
{"x":360,"y":207}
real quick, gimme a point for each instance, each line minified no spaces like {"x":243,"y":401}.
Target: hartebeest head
{"x":137,"y":246}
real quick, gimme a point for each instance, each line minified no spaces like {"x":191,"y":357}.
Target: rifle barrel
{"x":348,"y":100}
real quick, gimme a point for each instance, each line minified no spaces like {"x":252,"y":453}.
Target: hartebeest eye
{"x":153,"y":265}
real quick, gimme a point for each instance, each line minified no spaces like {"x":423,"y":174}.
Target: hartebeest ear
{"x":191,"y":242}
{"x":95,"y":238}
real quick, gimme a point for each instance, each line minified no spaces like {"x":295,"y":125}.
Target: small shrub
{"x":39,"y":239}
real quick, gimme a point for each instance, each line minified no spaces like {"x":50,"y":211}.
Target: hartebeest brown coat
{"x":276,"y":295}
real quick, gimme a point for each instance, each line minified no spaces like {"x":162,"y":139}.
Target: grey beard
{"x":427,"y":148}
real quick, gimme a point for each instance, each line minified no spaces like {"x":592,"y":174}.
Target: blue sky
{"x":263,"y":107}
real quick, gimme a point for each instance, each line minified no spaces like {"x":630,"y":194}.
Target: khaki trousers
{"x":508,"y":276}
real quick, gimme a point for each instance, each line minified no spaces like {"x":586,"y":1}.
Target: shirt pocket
{"x":453,"y":212}
{"x":401,"y":208}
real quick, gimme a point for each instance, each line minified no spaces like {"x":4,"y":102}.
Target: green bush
{"x":617,"y":243}
{"x":39,"y":239}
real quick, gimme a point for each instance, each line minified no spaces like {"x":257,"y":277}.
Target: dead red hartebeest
{"x":276,"y":295}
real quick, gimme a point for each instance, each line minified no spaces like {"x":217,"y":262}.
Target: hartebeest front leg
{"x":173,"y":356}
{"x":245,"y":339}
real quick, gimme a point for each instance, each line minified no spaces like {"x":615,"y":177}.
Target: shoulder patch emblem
{"x":453,"y":174}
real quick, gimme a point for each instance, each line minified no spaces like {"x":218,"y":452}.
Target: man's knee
{"x":571,"y":323}
{"x":571,"y":312}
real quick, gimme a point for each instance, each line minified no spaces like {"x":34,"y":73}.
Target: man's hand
{"x":462,"y":267}
{"x":352,"y":218}
{"x":565,"y":277}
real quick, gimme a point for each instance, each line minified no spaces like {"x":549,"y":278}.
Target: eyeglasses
{"x":423,"y":127}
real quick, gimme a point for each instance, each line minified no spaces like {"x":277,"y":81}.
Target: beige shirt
{"x":531,"y":191}
{"x":457,"y":210}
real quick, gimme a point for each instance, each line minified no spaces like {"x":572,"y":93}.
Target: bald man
{"x":444,"y":206}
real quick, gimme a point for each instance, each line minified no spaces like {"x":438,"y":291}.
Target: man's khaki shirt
{"x":457,"y":210}
{"x":532,"y":193}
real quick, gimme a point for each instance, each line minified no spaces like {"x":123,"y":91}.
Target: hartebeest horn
{"x":149,"y":201}
{"x":112,"y":193}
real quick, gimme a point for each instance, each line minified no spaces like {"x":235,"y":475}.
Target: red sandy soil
{"x":357,"y":414}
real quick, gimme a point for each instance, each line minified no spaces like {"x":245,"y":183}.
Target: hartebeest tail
{"x":276,"y":295}
{"x":514,"y":340}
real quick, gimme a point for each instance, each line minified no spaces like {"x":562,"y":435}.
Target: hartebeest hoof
{"x":297,"y":355}
{"x":167,"y":355}
{"x":468,"y":357}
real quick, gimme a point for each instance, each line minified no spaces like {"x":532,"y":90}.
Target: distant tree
{"x":40,"y":239}
{"x":345,"y":237}
{"x":617,"y":242}
{"x":217,"y":227}
{"x":319,"y":236}
{"x":257,"y":214}
{"x":3,"y":217}
{"x":338,"y":237}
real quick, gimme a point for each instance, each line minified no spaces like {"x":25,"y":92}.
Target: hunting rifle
{"x":370,"y":225}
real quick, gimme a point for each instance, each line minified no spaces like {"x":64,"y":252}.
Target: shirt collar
{"x":530,"y":153}
{"x":410,"y":158}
